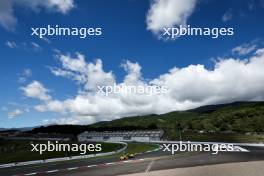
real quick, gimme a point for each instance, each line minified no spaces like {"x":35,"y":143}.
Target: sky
{"x":54,"y":80}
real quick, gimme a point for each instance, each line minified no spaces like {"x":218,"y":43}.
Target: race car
{"x":131,"y":155}
{"x":123,"y":157}
{"x":127,"y":156}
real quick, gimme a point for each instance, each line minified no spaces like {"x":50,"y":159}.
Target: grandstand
{"x":138,"y":136}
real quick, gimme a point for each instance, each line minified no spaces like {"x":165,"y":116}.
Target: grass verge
{"x":19,"y":151}
{"x":139,"y":147}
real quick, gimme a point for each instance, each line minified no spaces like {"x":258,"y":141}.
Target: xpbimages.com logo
{"x":132,"y":89}
{"x":56,"y":30}
{"x":197,"y":147}
{"x":174,"y":32}
{"x":63,"y":147}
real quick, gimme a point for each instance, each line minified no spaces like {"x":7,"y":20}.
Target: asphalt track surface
{"x":111,"y":166}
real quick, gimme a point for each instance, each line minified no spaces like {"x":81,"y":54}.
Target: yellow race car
{"x":126,"y":156}
{"x":123,"y":157}
{"x":131,"y":155}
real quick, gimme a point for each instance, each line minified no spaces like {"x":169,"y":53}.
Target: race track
{"x":111,"y":166}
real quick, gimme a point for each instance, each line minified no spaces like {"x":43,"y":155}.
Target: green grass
{"x":139,"y":147}
{"x":131,"y":148}
{"x":19,"y":151}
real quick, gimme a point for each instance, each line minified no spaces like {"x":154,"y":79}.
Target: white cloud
{"x":11,"y":44}
{"x":35,"y":45}
{"x":36,"y":90}
{"x":26,"y":73}
{"x":45,"y":39}
{"x":69,"y":120}
{"x":30,"y":46}
{"x":9,"y":21}
{"x":230,"y":80}
{"x":89,"y":74}
{"x":62,"y":6}
{"x":53,"y":105}
{"x":27,"y":46}
{"x":227,"y":16}
{"x":244,"y":49}
{"x":260,"y":51}
{"x":133,"y":73}
{"x":168,"y":13}
{"x":15,"y":113}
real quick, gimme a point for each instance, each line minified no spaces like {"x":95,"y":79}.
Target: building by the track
{"x":138,"y":136}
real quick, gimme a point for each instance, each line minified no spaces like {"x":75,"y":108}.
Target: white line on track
{"x":110,"y":163}
{"x":51,"y":171}
{"x":72,"y":168}
{"x":31,"y":173}
{"x":149,"y":166}
{"x":127,"y":161}
{"x":238,"y":148}
{"x":92,"y":166}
